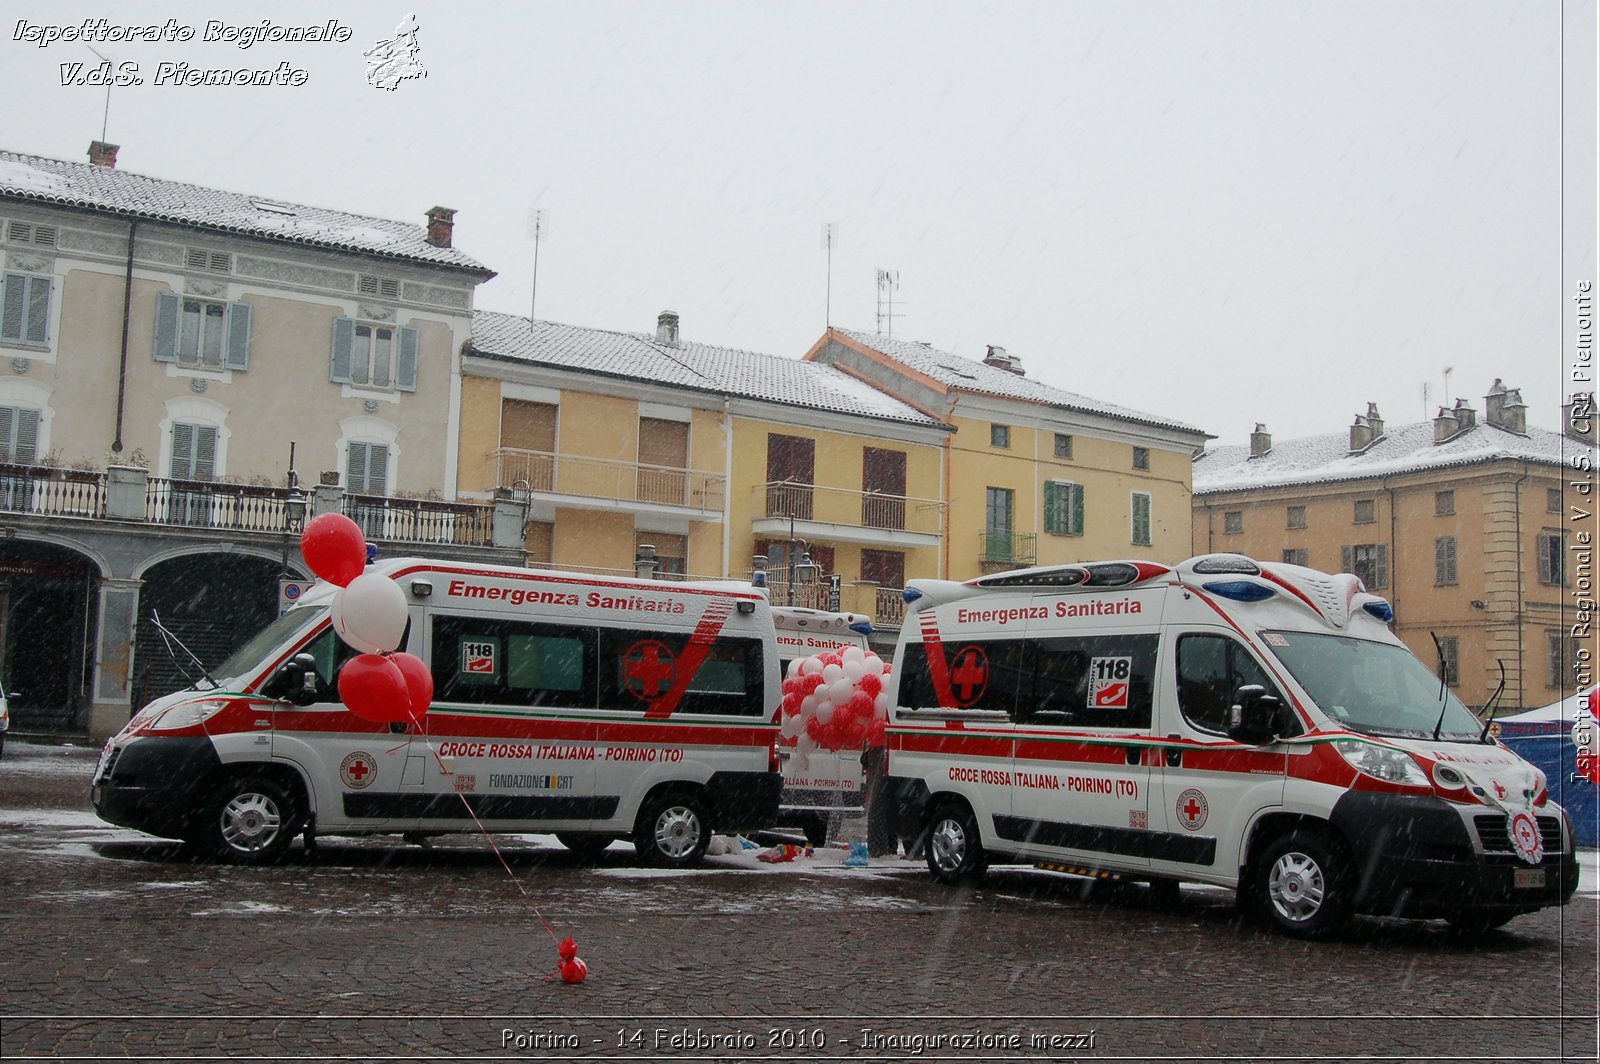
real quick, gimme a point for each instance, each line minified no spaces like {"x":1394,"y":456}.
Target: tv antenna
{"x":888,"y":285}
{"x":830,"y":233}
{"x":538,"y":226}
{"x":105,"y":119}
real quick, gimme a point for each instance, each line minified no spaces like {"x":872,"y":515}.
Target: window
{"x":886,"y":568}
{"x":1444,"y":503}
{"x":639,"y":667}
{"x":528,"y":443}
{"x":791,"y":473}
{"x":211,"y":261}
{"x":374,"y":355}
{"x":1366,"y":511}
{"x":1297,"y":517}
{"x":194,"y":460}
{"x":1553,"y":557}
{"x":1233,"y":521}
{"x":672,"y":552}
{"x":1561,"y":647}
{"x":1063,"y":508}
{"x":1297,"y":556}
{"x":663,"y":461}
{"x":1141,"y":458}
{"x":999,"y":435}
{"x":485,"y":661}
{"x":19,"y":435}
{"x":1102,"y":681}
{"x":28,"y":233}
{"x":883,"y":484}
{"x":1369,"y":561}
{"x":386,"y":287}
{"x":1552,"y":500}
{"x":986,"y":674}
{"x":1063,"y":445}
{"x":997,"y":523}
{"x":25,"y":309}
{"x":1444,"y":561}
{"x":201,"y":334}
{"x":1450,"y":657}
{"x":1211,"y":669}
{"x":1141,"y":519}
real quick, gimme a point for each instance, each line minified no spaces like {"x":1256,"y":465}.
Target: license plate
{"x":1527,"y":877}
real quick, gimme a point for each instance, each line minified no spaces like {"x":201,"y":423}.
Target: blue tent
{"x":1544,"y":738}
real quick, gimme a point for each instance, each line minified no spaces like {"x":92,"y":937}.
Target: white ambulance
{"x":832,"y":785}
{"x":593,"y":708}
{"x":1249,"y":725}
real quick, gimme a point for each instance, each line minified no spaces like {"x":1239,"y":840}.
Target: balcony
{"x":846,"y":515}
{"x":52,"y":492}
{"x":613,"y":483}
{"x":1005,"y":549}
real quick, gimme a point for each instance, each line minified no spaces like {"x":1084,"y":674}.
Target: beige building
{"x":1033,"y":475}
{"x":1464,"y":523}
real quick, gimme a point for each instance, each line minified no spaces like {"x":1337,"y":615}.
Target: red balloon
{"x":878,"y":733}
{"x":812,"y":682}
{"x":573,"y":971}
{"x":814,"y":728}
{"x":419,"y":682}
{"x":334,"y":548}
{"x":567,"y":948}
{"x":871,"y":683}
{"x":862,"y":704}
{"x":830,"y":658}
{"x":373,"y":688}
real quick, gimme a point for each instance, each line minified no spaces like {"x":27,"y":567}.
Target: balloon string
{"x":423,"y":731}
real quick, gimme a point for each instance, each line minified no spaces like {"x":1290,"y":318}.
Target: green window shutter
{"x":1054,"y":523}
{"x":405,"y":376}
{"x":344,"y":335}
{"x":238,"y":356}
{"x":12,"y":306}
{"x":37,"y":329}
{"x":1075,"y":510}
{"x":168,"y":306}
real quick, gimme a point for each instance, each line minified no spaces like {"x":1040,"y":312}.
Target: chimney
{"x":103,"y":154}
{"x":441,"y":226}
{"x":1445,"y":425}
{"x":997,"y":358}
{"x":1503,"y":408}
{"x":1577,"y":417}
{"x":1260,"y":441}
{"x":1360,"y":435}
{"x":667,"y":327}
{"x":1466,"y":417}
{"x":1375,"y":421}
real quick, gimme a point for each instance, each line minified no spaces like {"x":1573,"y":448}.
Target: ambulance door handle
{"x":398,"y":727}
{"x":1132,"y":753}
{"x":1174,"y":754}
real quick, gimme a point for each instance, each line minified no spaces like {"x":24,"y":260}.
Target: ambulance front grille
{"x":1493,"y":835}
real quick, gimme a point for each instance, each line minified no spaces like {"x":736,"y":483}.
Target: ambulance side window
{"x":1210,"y":669}
{"x":640,"y":667}
{"x":330,"y":653}
{"x":1101,"y":681}
{"x":512,"y":663}
{"x":985,"y":674}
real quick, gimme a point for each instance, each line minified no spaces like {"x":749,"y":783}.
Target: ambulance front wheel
{"x":1301,"y":885}
{"x":955,"y":852}
{"x":247,"y":820}
{"x":673,"y":830}
{"x":586,"y":845}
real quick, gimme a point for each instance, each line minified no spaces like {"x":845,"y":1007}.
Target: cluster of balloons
{"x":834,"y":701}
{"x":369,"y":613}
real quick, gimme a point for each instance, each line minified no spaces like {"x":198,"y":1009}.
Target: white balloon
{"x":805,"y":744}
{"x":794,"y":668}
{"x":838,"y":691}
{"x":370,"y":614}
{"x":874,"y":664}
{"x":810,"y":666}
{"x":824,"y":712}
{"x":880,"y":705}
{"x":832,"y":673}
{"x":853,"y":654}
{"x":854,"y":670}
{"x":808,"y":705}
{"x":800,"y":761}
{"x":792,"y":726}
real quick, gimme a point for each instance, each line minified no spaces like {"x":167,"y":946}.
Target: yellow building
{"x":627,"y":447}
{"x":1463,"y":523}
{"x":1033,"y":475}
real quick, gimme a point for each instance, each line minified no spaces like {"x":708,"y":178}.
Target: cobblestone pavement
{"x":116,"y":947}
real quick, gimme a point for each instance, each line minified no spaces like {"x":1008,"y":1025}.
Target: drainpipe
{"x":1394,"y":555}
{"x":122,"y":364}
{"x":727,"y":484}
{"x":949,"y":502}
{"x":1522,"y":665}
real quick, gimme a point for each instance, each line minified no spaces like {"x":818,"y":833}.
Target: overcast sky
{"x":1217,"y":212}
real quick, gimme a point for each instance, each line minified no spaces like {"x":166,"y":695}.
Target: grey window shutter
{"x":1380,"y":567}
{"x":7,"y":421}
{"x":38,"y":326}
{"x":27,"y":450}
{"x":405,"y":374}
{"x":182,"y":452}
{"x":238,"y":356}
{"x":1347,"y":560}
{"x":355,"y":469}
{"x":1547,"y":571}
{"x":205,"y":452}
{"x":344,"y":337}
{"x":12,"y":306}
{"x":168,"y":306}
{"x":377,"y":469}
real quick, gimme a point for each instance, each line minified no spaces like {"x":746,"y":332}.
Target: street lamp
{"x":803,"y":568}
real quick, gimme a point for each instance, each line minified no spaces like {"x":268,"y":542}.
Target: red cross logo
{"x":1193,"y":809}
{"x":970,"y":676}
{"x":648,"y":669}
{"x":357,"y":770}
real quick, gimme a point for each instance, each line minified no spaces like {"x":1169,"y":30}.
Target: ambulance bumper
{"x":149,"y":784}
{"x":1423,"y":857}
{"x":744,"y":801}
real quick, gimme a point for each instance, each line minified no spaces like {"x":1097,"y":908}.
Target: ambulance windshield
{"x":1373,"y":688}
{"x":252,"y":654}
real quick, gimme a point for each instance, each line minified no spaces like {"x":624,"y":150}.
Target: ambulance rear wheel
{"x":1301,"y":885}
{"x":955,"y":852}
{"x":672,"y":831}
{"x":248,"y":820}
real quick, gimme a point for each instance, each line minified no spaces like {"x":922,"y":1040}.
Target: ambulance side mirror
{"x":1255,"y":717}
{"x":295,"y":681}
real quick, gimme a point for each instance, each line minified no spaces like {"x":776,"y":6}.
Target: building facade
{"x":1464,"y":523}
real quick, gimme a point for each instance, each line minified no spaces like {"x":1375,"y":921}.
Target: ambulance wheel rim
{"x":677,"y":832}
{"x":948,"y":845}
{"x":1296,"y":886}
{"x":250,"y":821}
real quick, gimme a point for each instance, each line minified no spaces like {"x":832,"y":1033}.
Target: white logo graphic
{"x":395,"y":60}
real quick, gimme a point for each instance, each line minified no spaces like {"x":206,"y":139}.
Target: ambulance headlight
{"x":1380,"y":762}
{"x":186,"y":715}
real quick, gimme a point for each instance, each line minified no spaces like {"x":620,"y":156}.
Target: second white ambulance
{"x":1250,"y":725}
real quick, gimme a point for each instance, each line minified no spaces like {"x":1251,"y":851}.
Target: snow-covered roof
{"x":113,"y":191}
{"x":1403,"y":449}
{"x":702,"y":367}
{"x":966,"y":374}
